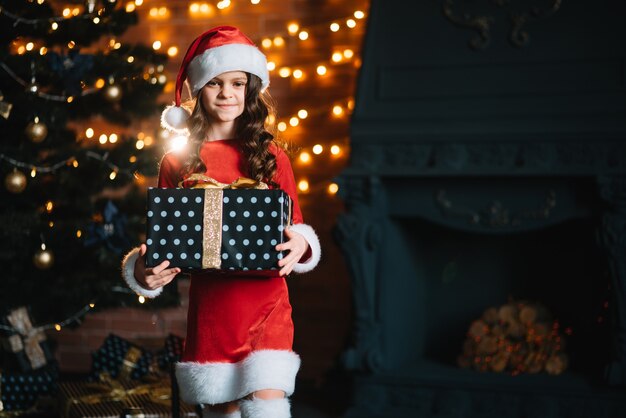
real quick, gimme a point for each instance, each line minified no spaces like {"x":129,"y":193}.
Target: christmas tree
{"x":71,"y":202}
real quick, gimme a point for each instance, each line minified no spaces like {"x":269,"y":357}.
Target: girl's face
{"x":223,"y":98}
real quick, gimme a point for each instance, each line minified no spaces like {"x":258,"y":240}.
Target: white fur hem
{"x":207,"y":413}
{"x":316,"y":251}
{"x":260,"y":408}
{"x":128,"y":272}
{"x":213,"y":383}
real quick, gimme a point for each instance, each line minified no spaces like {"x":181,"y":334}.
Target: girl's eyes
{"x":214,"y":83}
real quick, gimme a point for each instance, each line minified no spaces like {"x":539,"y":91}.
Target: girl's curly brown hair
{"x":252,"y":137}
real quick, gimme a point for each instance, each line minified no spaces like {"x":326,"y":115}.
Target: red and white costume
{"x":239,"y":330}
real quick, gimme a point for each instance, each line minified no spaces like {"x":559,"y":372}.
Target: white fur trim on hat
{"x":174,"y":118}
{"x":263,"y":408}
{"x":128,"y":273}
{"x":221,"y":59}
{"x":314,"y":243}
{"x":207,"y":413}
{"x":217,"y":382}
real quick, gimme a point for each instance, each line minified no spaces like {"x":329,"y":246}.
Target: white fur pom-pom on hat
{"x":174,"y":118}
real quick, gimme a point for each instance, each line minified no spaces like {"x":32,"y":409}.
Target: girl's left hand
{"x":297,"y":246}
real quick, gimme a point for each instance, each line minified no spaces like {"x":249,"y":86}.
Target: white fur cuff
{"x":314,"y":243}
{"x":262,"y":408}
{"x":128,"y":272}
{"x":217,"y":382}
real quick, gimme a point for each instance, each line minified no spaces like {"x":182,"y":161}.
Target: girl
{"x":238,"y":359}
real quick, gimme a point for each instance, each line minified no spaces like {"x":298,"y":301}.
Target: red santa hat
{"x":216,"y":51}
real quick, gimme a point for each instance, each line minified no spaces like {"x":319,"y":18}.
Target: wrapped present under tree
{"x":25,"y":347}
{"x":121,"y":359}
{"x":20,"y":391}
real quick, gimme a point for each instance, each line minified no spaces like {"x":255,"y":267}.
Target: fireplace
{"x":485,"y":169}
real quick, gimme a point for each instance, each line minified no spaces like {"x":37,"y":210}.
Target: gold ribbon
{"x":30,"y":337}
{"x":130,"y":362}
{"x":114,"y":391}
{"x":206,"y":182}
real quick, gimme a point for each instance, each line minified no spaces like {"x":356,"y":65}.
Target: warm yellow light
{"x":194,"y":8}
{"x":279,"y":41}
{"x":70,"y":99}
{"x":297,"y":73}
{"x":333,"y":188}
{"x":350,"y":23}
{"x":96,"y":20}
{"x":55,"y":26}
{"x":113,"y":175}
{"x":293,"y":28}
{"x":49,"y":206}
{"x":100,"y":83}
{"x":141,"y":135}
{"x":271,"y":66}
{"x":113,"y":138}
{"x":57,"y":327}
{"x":162,"y":79}
{"x":130,"y":7}
{"x":33,"y":172}
{"x":284,"y":72}
{"x":103,"y":139}
{"x":321,"y":69}
{"x":348,"y":53}
{"x":132,"y":159}
{"x":75,"y":163}
{"x":147,"y":141}
{"x":141,"y":299}
{"x":337,"y":57}
{"x":67,"y":12}
{"x":30,"y":46}
{"x":334,"y":26}
{"x":303,"y":186}
{"x":117,"y":45}
{"x":282,"y":126}
{"x":43,"y":50}
{"x":302,"y":114}
{"x":154,"y":12}
{"x":255,"y":1}
{"x":130,"y":59}
{"x":303,"y":35}
{"x":50,"y":224}
{"x":271,"y":119}
{"x":21,"y":50}
{"x":351,"y":104}
{"x":163,"y":11}
{"x":305,"y":157}
{"x":92,"y":305}
{"x":266,"y":43}
{"x":139,"y":144}
{"x":223,"y":4}
{"x":178,"y":143}
{"x":205,"y":8}
{"x":75,"y":11}
{"x":335,"y":150}
{"x":71,"y":44}
{"x":337,"y":110}
{"x":79,"y":233}
{"x":359,"y":14}
{"x":138,"y":2}
{"x":89,"y":133}
{"x":172,"y":51}
{"x":318,"y":149}
{"x":294,"y":121}
{"x":156,"y":45}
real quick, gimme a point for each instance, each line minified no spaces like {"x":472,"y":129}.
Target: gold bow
{"x":113,"y":391}
{"x":205,"y":182}
{"x":29,"y":338}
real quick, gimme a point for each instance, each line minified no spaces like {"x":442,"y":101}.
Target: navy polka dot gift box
{"x":223,"y":230}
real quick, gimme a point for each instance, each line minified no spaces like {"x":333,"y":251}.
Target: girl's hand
{"x":297,"y":246}
{"x":153,"y":277}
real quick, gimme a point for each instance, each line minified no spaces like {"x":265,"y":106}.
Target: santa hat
{"x":216,"y":51}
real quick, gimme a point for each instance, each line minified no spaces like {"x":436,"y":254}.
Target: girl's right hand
{"x":153,"y":277}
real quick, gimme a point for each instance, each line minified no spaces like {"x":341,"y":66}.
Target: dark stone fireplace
{"x":488,"y":163}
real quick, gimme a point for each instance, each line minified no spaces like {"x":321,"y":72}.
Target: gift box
{"x":121,"y":359}
{"x":20,"y":390}
{"x":110,"y":398}
{"x":213,"y":228}
{"x":171,"y":352}
{"x":25,"y":347}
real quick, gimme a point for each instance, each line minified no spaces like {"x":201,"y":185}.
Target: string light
{"x":156,"y":45}
{"x":294,"y":121}
{"x":130,"y":7}
{"x":79,"y":233}
{"x":334,"y":26}
{"x":302,"y":113}
{"x":318,"y":149}
{"x":141,"y":299}
{"x":75,"y":318}
{"x":335,"y":150}
{"x":337,"y":110}
{"x":279,"y":41}
{"x":33,"y":172}
{"x":321,"y":70}
{"x":303,"y":35}
{"x":271,"y":66}
{"x":351,"y":23}
{"x":223,"y":4}
{"x":255,"y":1}
{"x":305,"y":157}
{"x":337,"y":57}
{"x":282,"y":126}
{"x":139,"y":144}
{"x":297,"y":74}
{"x":333,"y":188}
{"x":172,"y":51}
{"x":266,"y":43}
{"x":303,"y":186}
{"x":293,"y":28}
{"x":284,"y":72}
{"x":348,"y":53}
{"x":103,"y":139}
{"x":359,"y":14}
{"x":113,"y":138}
{"x":113,"y":175}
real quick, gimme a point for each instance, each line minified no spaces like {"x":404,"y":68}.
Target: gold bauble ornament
{"x":113,"y":93}
{"x":15,"y":181}
{"x":36,"y":131}
{"x":43,"y":258}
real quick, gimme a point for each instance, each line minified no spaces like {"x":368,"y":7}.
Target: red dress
{"x":239,"y":330}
